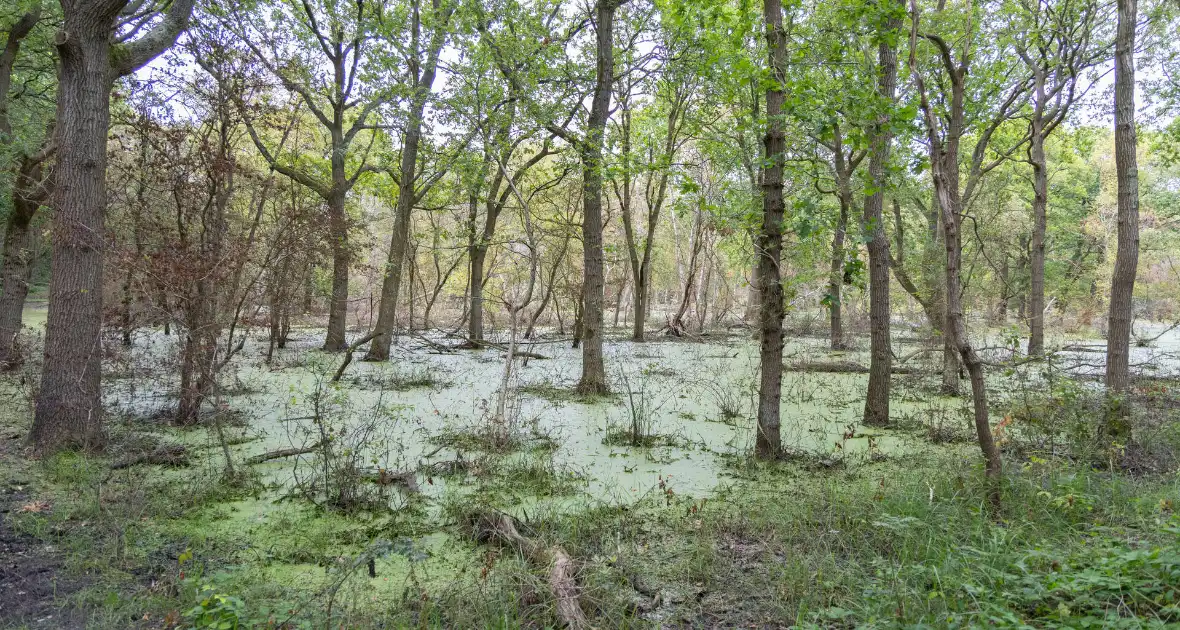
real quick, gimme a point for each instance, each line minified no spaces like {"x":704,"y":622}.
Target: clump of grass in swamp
{"x":1068,"y":419}
{"x":399,"y":379}
{"x":554,"y":393}
{"x":529,"y":475}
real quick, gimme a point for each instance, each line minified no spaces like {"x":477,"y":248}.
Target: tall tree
{"x":593,"y":380}
{"x":876,"y":410}
{"x":1056,"y":47}
{"x":295,"y":44}
{"x":649,"y":139}
{"x":1122,"y":282}
{"x":421,"y":69}
{"x":768,"y":443}
{"x":96,"y":45}
{"x":943,"y":137}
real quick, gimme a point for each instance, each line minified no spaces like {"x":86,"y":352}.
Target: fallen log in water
{"x":167,"y":455}
{"x":284,"y":452}
{"x":499,"y":527}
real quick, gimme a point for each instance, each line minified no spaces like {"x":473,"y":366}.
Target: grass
{"x":556,"y":394}
{"x":399,"y":379}
{"x":787,"y":545}
{"x":902,"y":543}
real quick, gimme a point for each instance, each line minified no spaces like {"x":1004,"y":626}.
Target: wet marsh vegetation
{"x":607,"y":314}
{"x":363,"y":502}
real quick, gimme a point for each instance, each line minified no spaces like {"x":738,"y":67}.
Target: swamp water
{"x":426,"y":406}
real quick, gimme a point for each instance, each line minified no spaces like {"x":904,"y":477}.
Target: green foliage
{"x":216,"y":611}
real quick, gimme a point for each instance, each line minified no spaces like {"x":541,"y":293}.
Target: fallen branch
{"x":167,"y":455}
{"x":348,"y":354}
{"x":500,"y":527}
{"x":840,"y":367}
{"x":284,"y":452}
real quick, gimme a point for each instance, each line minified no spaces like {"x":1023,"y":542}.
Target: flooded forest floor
{"x":423,"y":493}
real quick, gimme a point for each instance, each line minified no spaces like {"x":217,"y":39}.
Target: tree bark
{"x":876,"y":411}
{"x":836,"y":280}
{"x":68,"y":410}
{"x":1036,"y":154}
{"x":27,"y":195}
{"x":593,"y":380}
{"x":17,"y":265}
{"x":768,"y":443}
{"x":341,"y":257}
{"x":1122,"y":282}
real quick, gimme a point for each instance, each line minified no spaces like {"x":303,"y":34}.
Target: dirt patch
{"x":35,"y":589}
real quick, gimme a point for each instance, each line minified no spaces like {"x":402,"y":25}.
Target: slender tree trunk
{"x":944,"y":167}
{"x":547,"y":294}
{"x":1122,"y":282}
{"x":399,"y":242}
{"x":341,"y":257}
{"x":696,"y":242}
{"x":619,"y":298}
{"x":1005,"y":274}
{"x":768,"y":444}
{"x":593,"y":379}
{"x":836,"y":278}
{"x":956,"y":329}
{"x":68,"y":410}
{"x":876,"y":411}
{"x":1036,"y":153}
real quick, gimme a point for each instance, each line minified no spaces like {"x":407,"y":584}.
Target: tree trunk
{"x":696,"y":242}
{"x":68,"y":410}
{"x":1005,"y":274}
{"x":950,"y":364}
{"x":836,"y":278}
{"x":341,"y":255}
{"x":876,"y":411}
{"x":15,"y":274}
{"x":1036,"y":154}
{"x":768,"y":444}
{"x":399,"y":241}
{"x":1122,"y":282}
{"x":593,"y":380}
{"x":944,"y":168}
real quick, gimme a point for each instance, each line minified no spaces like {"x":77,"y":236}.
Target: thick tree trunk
{"x":768,"y":443}
{"x":1122,"y":282}
{"x":15,"y":274}
{"x":593,"y":380}
{"x":68,"y":410}
{"x":876,"y":411}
